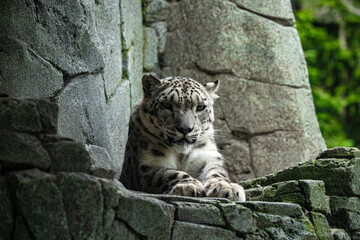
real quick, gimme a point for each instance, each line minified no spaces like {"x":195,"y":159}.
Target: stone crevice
{"x":281,"y":21}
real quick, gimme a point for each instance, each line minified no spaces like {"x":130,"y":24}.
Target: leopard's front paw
{"x":189,"y":187}
{"x":224,"y":189}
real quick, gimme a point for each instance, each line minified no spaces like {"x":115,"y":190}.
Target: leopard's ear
{"x":212,"y":87}
{"x":150,"y":83}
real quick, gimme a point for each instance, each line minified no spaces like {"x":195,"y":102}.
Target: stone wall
{"x":265,"y":115}
{"x":84,"y":55}
{"x":52,"y":188}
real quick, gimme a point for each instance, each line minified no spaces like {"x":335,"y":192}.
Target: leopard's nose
{"x":184,"y":130}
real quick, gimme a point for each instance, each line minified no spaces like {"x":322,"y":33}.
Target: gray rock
{"x":341,"y":176}
{"x":198,"y":213}
{"x":101,"y":164}
{"x":283,"y":209}
{"x":161,"y":32}
{"x":238,"y":217}
{"x":146,"y":216}
{"x":6,"y":209}
{"x":315,"y":196}
{"x":280,"y":12}
{"x":321,"y":225}
{"x":111,"y":199}
{"x":83,"y":203}
{"x":156,"y":11}
{"x":23,"y":151}
{"x":340,"y":234}
{"x":117,"y":117}
{"x":40,"y":24}
{"x":39,"y":203}
{"x":283,"y":227}
{"x":19,"y":115}
{"x":191,"y":231}
{"x":150,"y":49}
{"x":132,"y":46}
{"x":82,"y":111}
{"x":120,"y":231}
{"x":32,"y":76}
{"x":48,"y":112}
{"x":21,"y":230}
{"x":345,"y":212}
{"x":338,"y":152}
{"x":68,"y":156}
{"x":107,"y":19}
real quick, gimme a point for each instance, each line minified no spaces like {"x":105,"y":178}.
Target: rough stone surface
{"x":238,"y":217}
{"x":341,"y":176}
{"x":78,"y":54}
{"x":150,"y":49}
{"x":83,"y":203}
{"x":156,"y":11}
{"x":23,"y":73}
{"x":6,"y":210}
{"x":48,"y":112}
{"x":82,"y":113}
{"x":61,"y":33}
{"x":321,"y":225}
{"x":315,"y":195}
{"x":19,"y":115}
{"x":191,"y":231}
{"x":132,"y":46}
{"x":345,"y":212}
{"x":198,"y":213}
{"x":118,"y":108}
{"x":101,"y":164}
{"x":283,"y":227}
{"x":156,"y":216}
{"x":24,"y":150}
{"x":107,"y":20}
{"x":40,"y":204}
{"x":340,"y":234}
{"x":254,"y":50}
{"x":68,"y":156}
{"x":280,"y":12}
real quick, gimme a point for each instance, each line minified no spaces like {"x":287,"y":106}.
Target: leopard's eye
{"x":200,"y":108}
{"x":166,"y":105}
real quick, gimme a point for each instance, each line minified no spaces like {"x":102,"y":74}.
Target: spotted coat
{"x":171,"y":147}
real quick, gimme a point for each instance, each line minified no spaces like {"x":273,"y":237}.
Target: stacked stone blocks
{"x":52,"y":187}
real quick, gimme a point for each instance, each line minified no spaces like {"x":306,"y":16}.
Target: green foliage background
{"x":333,"y":65}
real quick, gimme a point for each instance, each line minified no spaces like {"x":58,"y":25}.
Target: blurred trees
{"x":330,"y":35}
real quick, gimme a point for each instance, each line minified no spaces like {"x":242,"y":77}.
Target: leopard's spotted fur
{"x":171,"y":147}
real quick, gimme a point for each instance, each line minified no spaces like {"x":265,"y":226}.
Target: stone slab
{"x":68,"y":156}
{"x":40,"y":204}
{"x":23,"y":73}
{"x":83,"y":203}
{"x":48,"y":112}
{"x":238,"y":217}
{"x":6,"y":210}
{"x":19,"y":115}
{"x":280,"y":12}
{"x":198,"y":213}
{"x":321,"y":225}
{"x":191,"y":231}
{"x":23,"y":151}
{"x":147,"y":216}
{"x":101,"y":164}
{"x":82,"y":111}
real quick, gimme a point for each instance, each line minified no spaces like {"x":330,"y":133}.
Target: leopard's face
{"x":179,"y":109}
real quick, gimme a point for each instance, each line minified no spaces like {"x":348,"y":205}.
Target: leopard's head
{"x":178,"y":110}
